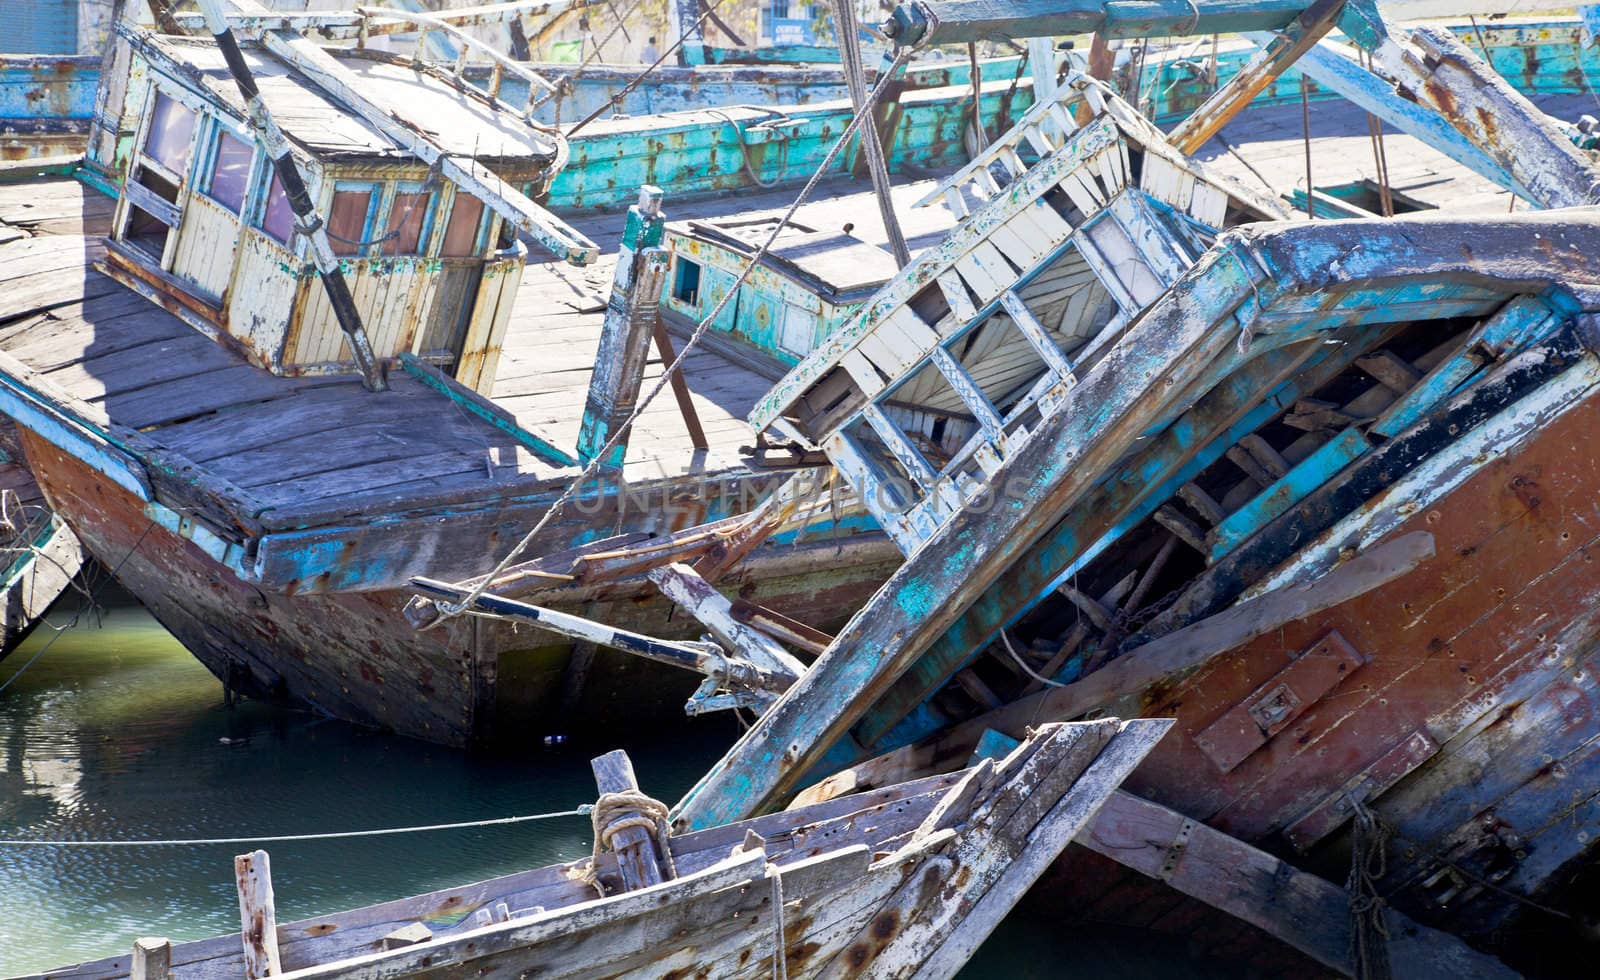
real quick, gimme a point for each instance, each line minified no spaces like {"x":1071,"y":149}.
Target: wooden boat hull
{"x":353,"y":655}
{"x":906,"y":881}
{"x":1465,"y":701}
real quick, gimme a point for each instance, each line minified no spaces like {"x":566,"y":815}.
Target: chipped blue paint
{"x":53,"y":88}
{"x":993,"y":745}
{"x":1520,"y":323}
{"x":1294,"y":486}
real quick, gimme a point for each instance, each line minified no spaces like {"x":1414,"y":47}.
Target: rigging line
{"x":579,"y":811}
{"x":79,"y":614}
{"x":454,"y":609}
{"x":617,"y":99}
{"x":1024,"y":665}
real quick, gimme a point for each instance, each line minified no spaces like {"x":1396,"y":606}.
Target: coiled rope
{"x":452,"y":609}
{"x":613,"y":813}
{"x":282,"y":838}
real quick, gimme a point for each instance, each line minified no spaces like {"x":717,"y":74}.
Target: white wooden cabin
{"x":203,"y":227}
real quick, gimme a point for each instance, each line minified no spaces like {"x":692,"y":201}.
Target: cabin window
{"x":350,"y":217}
{"x":410,"y":216}
{"x":230,"y":170}
{"x":686,"y":282}
{"x":170,"y":134}
{"x":462,"y":233}
{"x":277,"y":217}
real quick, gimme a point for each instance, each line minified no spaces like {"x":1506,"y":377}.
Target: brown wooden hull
{"x":1470,"y":711}
{"x":355,"y":657}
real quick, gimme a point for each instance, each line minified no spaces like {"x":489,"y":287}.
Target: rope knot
{"x":613,"y":813}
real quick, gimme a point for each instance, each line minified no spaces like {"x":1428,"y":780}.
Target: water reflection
{"x":118,"y":733}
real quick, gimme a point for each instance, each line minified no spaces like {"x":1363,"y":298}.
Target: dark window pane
{"x":406,"y":217}
{"x":278,"y":218}
{"x":171,"y":131}
{"x":461,"y":237}
{"x":347,"y":221}
{"x":230,"y":177}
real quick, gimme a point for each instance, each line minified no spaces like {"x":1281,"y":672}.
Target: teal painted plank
{"x":1312,"y":472}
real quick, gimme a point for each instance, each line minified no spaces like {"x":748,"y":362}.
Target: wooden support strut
{"x":630,"y":323}
{"x":152,"y":959}
{"x":1436,"y":70}
{"x":1270,"y":62}
{"x":258,"y":915}
{"x":294,"y":188}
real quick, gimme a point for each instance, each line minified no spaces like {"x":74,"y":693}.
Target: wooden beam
{"x":1194,"y":645}
{"x":1271,"y":61}
{"x":764,"y":519}
{"x":258,"y":915}
{"x":1299,"y":909}
{"x":699,"y":599}
{"x":680,"y":387}
{"x":1436,"y":70}
{"x":639,"y":861}
{"x":780,"y":627}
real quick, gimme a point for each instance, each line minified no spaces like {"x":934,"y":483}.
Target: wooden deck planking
{"x":60,"y":206}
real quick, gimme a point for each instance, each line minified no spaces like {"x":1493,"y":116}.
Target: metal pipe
{"x":925,"y":22}
{"x":294,"y":188}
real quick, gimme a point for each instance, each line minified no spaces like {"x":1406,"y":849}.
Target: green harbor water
{"x":117,"y":733}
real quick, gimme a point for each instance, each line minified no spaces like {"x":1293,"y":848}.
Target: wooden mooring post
{"x":152,"y":959}
{"x":258,"y":917}
{"x":638,"y":860}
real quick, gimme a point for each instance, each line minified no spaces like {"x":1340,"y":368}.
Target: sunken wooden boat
{"x":1315,"y":488}
{"x":195,"y":408}
{"x":904,"y":881}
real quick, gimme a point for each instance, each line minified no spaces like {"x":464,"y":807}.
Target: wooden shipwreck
{"x":906,"y":881}
{"x":1316,"y":489}
{"x":218,"y":447}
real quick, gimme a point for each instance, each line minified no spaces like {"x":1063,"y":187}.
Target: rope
{"x":1369,"y":932}
{"x":613,"y":813}
{"x":281,"y":838}
{"x":79,"y":614}
{"x":1024,"y":664}
{"x":780,"y":962}
{"x":744,"y":149}
{"x":616,"y":100}
{"x":450,"y":610}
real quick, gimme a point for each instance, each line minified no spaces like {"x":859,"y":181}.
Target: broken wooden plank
{"x":1311,"y":26}
{"x":1308,"y":913}
{"x":699,"y":599}
{"x":1184,"y":650}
